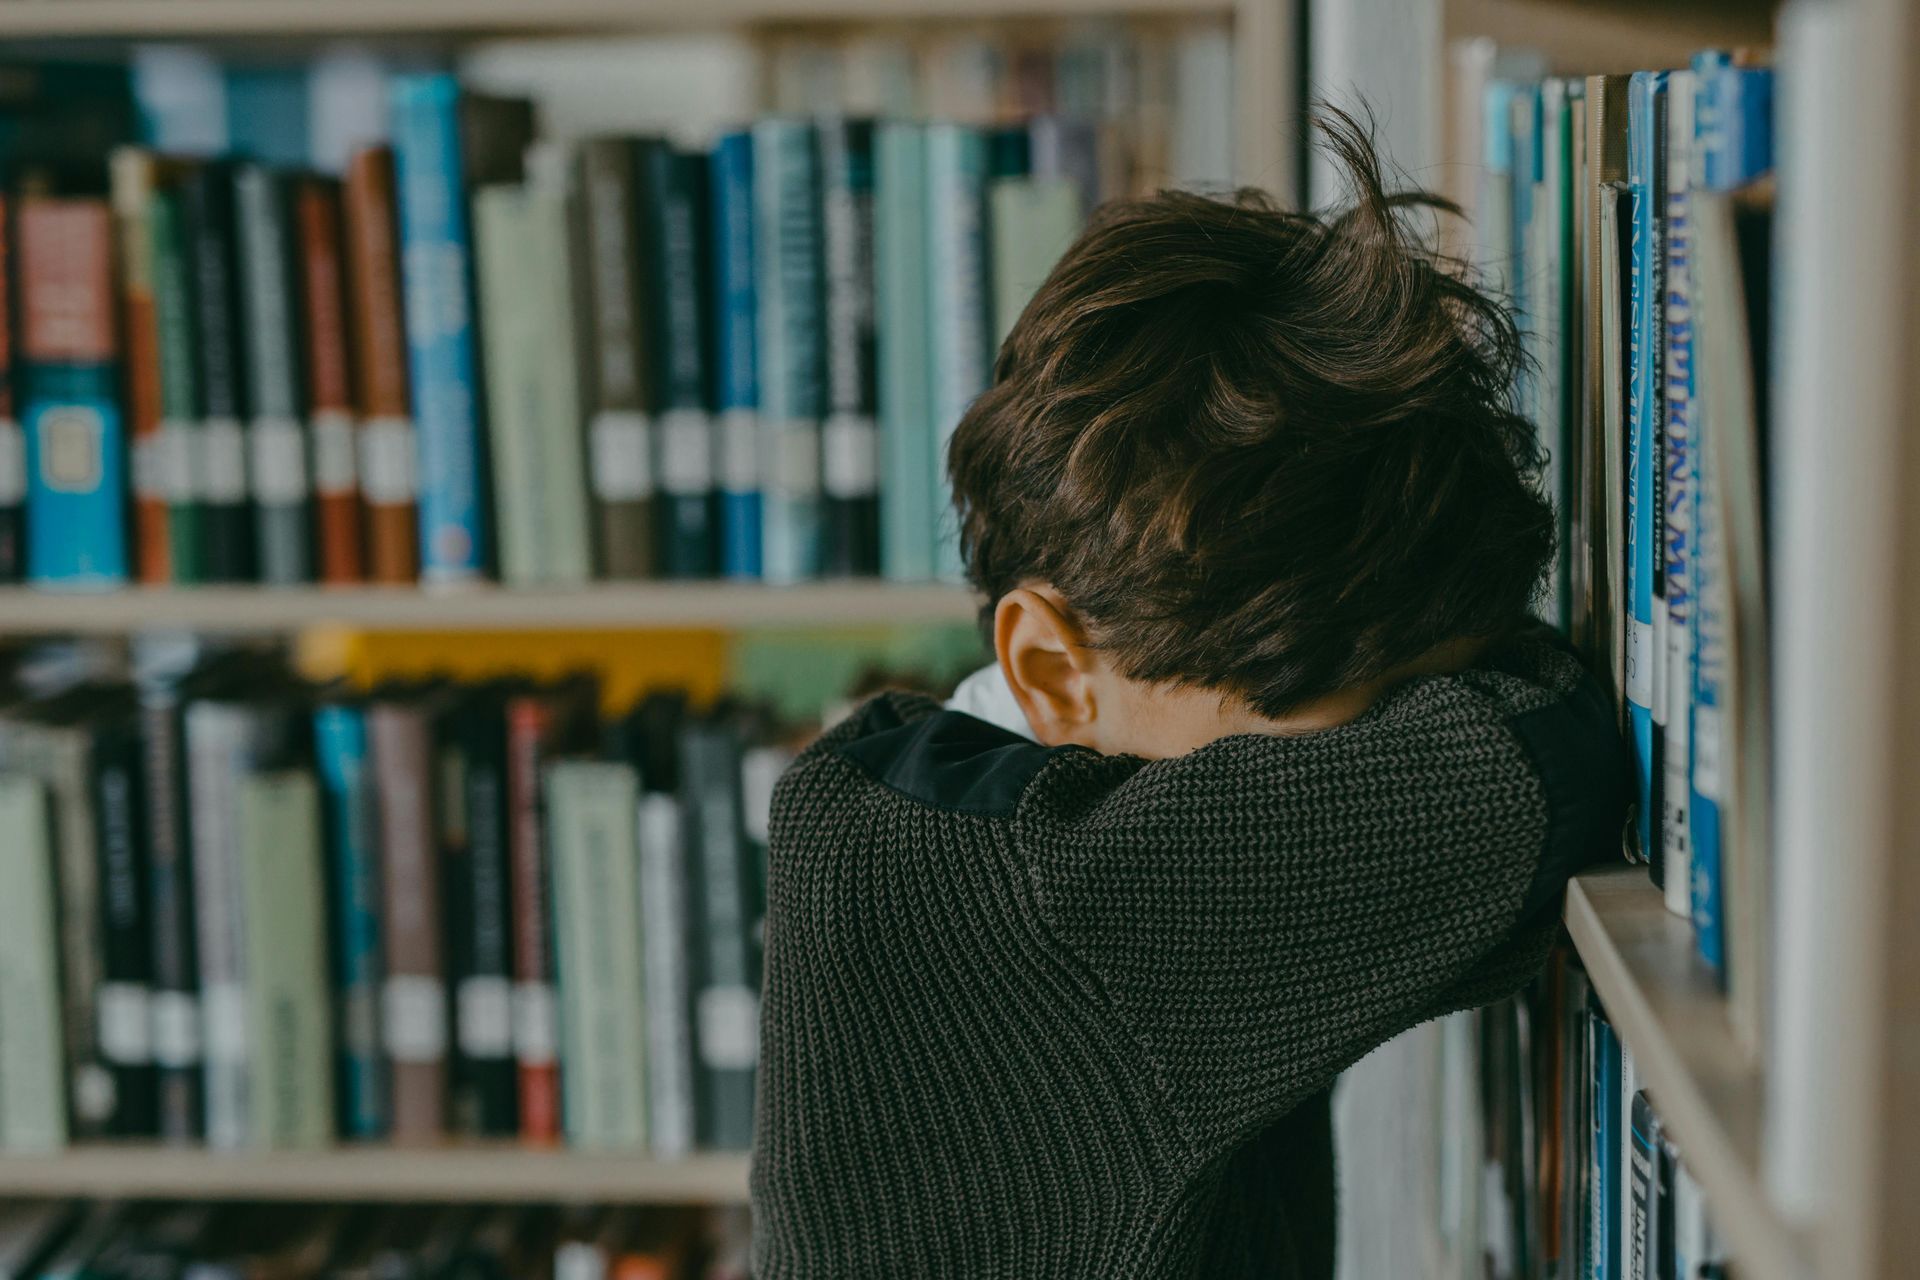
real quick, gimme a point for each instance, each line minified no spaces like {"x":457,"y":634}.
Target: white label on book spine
{"x":389,"y":461}
{"x":792,"y":454}
{"x":71,"y":448}
{"x":579,"y":1260}
{"x":176,"y":1029}
{"x":622,"y":445}
{"x":13,"y":463}
{"x":686,"y":451}
{"x":739,"y":451}
{"x":413,"y":1014}
{"x":149,"y":467}
{"x":850,"y":457}
{"x":125,"y":1023}
{"x":1639,"y":662}
{"x":536,"y":1024}
{"x":222,"y":462}
{"x":1706,"y":751}
{"x":484,"y":1007}
{"x":277,"y":457}
{"x":224,"y":1006}
{"x":335,"y":470}
{"x":175,"y":460}
{"x":729,"y":1027}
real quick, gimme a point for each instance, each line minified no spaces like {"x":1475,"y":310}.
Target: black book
{"x":850,"y":457}
{"x":174,"y":973}
{"x":124,"y":1000}
{"x":219,"y":465}
{"x":1643,"y":1207}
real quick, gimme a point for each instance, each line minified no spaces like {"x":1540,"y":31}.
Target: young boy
{"x":1259,"y":534}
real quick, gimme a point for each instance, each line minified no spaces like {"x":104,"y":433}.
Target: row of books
{"x":1629,"y":218}
{"x":47,"y":1240}
{"x":241,"y":910}
{"x":485,"y":353}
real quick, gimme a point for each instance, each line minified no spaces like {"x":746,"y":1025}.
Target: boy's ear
{"x":1047,"y":664}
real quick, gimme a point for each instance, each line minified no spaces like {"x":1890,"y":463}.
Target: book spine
{"x":677,"y":224}
{"x":849,"y":438}
{"x":726,"y":975}
{"x":1607,"y":1255}
{"x":536,"y":1030}
{"x":736,"y":320}
{"x":959,"y":361}
{"x":512,"y":377}
{"x":173,"y":307}
{"x":592,"y":808}
{"x":1032,"y":221}
{"x":388,"y":443}
{"x":619,"y":387}
{"x":281,"y":878}
{"x":336,"y":472}
{"x":413,"y":1000}
{"x":671,"y":1108}
{"x":33,"y":1113}
{"x":436,"y":273}
{"x":277,"y":471}
{"x":13,"y":444}
{"x":132,"y":178}
{"x":1643,"y":1194}
{"x":352,"y":826}
{"x":176,"y":999}
{"x":216,"y":761}
{"x":554,"y":286}
{"x":1678,"y":505}
{"x":123,"y":1002}
{"x":901,"y":270}
{"x":75,"y":448}
{"x":219,"y":461}
{"x":479,"y":885}
{"x":787,"y":273}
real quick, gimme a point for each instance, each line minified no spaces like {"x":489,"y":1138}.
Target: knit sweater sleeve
{"x":1262,"y":912}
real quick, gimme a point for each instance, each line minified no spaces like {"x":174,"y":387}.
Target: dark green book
{"x":173,"y":307}
{"x":220,"y":455}
{"x":276,"y":430}
{"x":849,"y":438}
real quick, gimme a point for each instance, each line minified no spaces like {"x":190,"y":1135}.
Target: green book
{"x":1031,"y":222}
{"x":592,"y":816}
{"x":179,"y":406}
{"x":287,"y":990}
{"x":33,"y":1112}
{"x":902,"y":353}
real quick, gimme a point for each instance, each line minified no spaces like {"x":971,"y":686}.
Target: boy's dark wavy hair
{"x":1269,"y":453}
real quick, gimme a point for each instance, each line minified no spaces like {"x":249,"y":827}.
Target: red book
{"x":336,"y":482}
{"x":530,"y":722}
{"x":133,"y":177}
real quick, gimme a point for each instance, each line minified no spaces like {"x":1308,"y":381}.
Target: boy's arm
{"x":1264,"y":911}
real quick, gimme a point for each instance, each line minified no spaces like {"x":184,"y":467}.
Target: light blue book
{"x":735,"y":318}
{"x":908,"y":496}
{"x":352,"y":818}
{"x":436,"y":271}
{"x":959,"y":319}
{"x":76,"y":477}
{"x":787,"y":273}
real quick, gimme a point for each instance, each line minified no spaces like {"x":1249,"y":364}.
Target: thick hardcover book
{"x":278,"y":822}
{"x":736,"y":355}
{"x":471,"y":752}
{"x":960,"y":359}
{"x":1602,"y":635}
{"x":13,"y":445}
{"x":792,"y":396}
{"x":726,"y":971}
{"x":850,"y":436}
{"x":173,"y":307}
{"x":33,"y":1111}
{"x":901,"y":273}
{"x":413,"y":1003}
{"x":124,"y":1000}
{"x":175,"y":974}
{"x":675,"y":225}
{"x":329,"y":403}
{"x":592,"y":809}
{"x":133,"y":174}
{"x":619,"y":386}
{"x":76,"y":467}
{"x":1678,"y":431}
{"x":277,"y":473}
{"x":350,"y":809}
{"x":388,"y":447}
{"x":219,"y":458}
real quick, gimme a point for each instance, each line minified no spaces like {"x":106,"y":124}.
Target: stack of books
{"x":248,"y":912}
{"x":459,"y":349}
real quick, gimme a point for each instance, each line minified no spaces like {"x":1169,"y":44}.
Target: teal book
{"x":958,"y":319}
{"x":902,"y":355}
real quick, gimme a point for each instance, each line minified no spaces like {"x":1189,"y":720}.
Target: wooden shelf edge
{"x":476,"y":1173}
{"x":1708,"y":1090}
{"x":611,"y":606}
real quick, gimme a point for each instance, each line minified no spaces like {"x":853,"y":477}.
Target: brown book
{"x":414,"y":1013}
{"x":336,"y":484}
{"x":133,"y":173}
{"x":388,"y":457}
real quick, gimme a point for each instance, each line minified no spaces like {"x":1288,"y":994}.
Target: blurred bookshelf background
{"x":453,"y":454}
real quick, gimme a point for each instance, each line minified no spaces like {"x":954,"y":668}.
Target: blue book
{"x":907,"y":492}
{"x":267,"y":113}
{"x":436,"y":277}
{"x":351,"y":819}
{"x":735,"y":316}
{"x":76,"y":477}
{"x":787,"y":273}
{"x":1605,"y":1258}
{"x":1677,"y":507}
{"x":959,"y":321}
{"x":1495,"y":214}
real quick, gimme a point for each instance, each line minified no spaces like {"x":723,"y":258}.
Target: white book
{"x":663,"y":932}
{"x":33,"y":1112}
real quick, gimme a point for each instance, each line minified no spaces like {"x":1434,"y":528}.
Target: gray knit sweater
{"x":1036,"y":1014}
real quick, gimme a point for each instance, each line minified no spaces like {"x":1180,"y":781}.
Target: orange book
{"x":336,"y":481}
{"x":134,"y":172}
{"x":387,"y":454}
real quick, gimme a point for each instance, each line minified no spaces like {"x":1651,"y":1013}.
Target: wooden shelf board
{"x":394,"y":17}
{"x":600,"y":606}
{"x":1666,"y":1007}
{"x":480,"y":1172}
